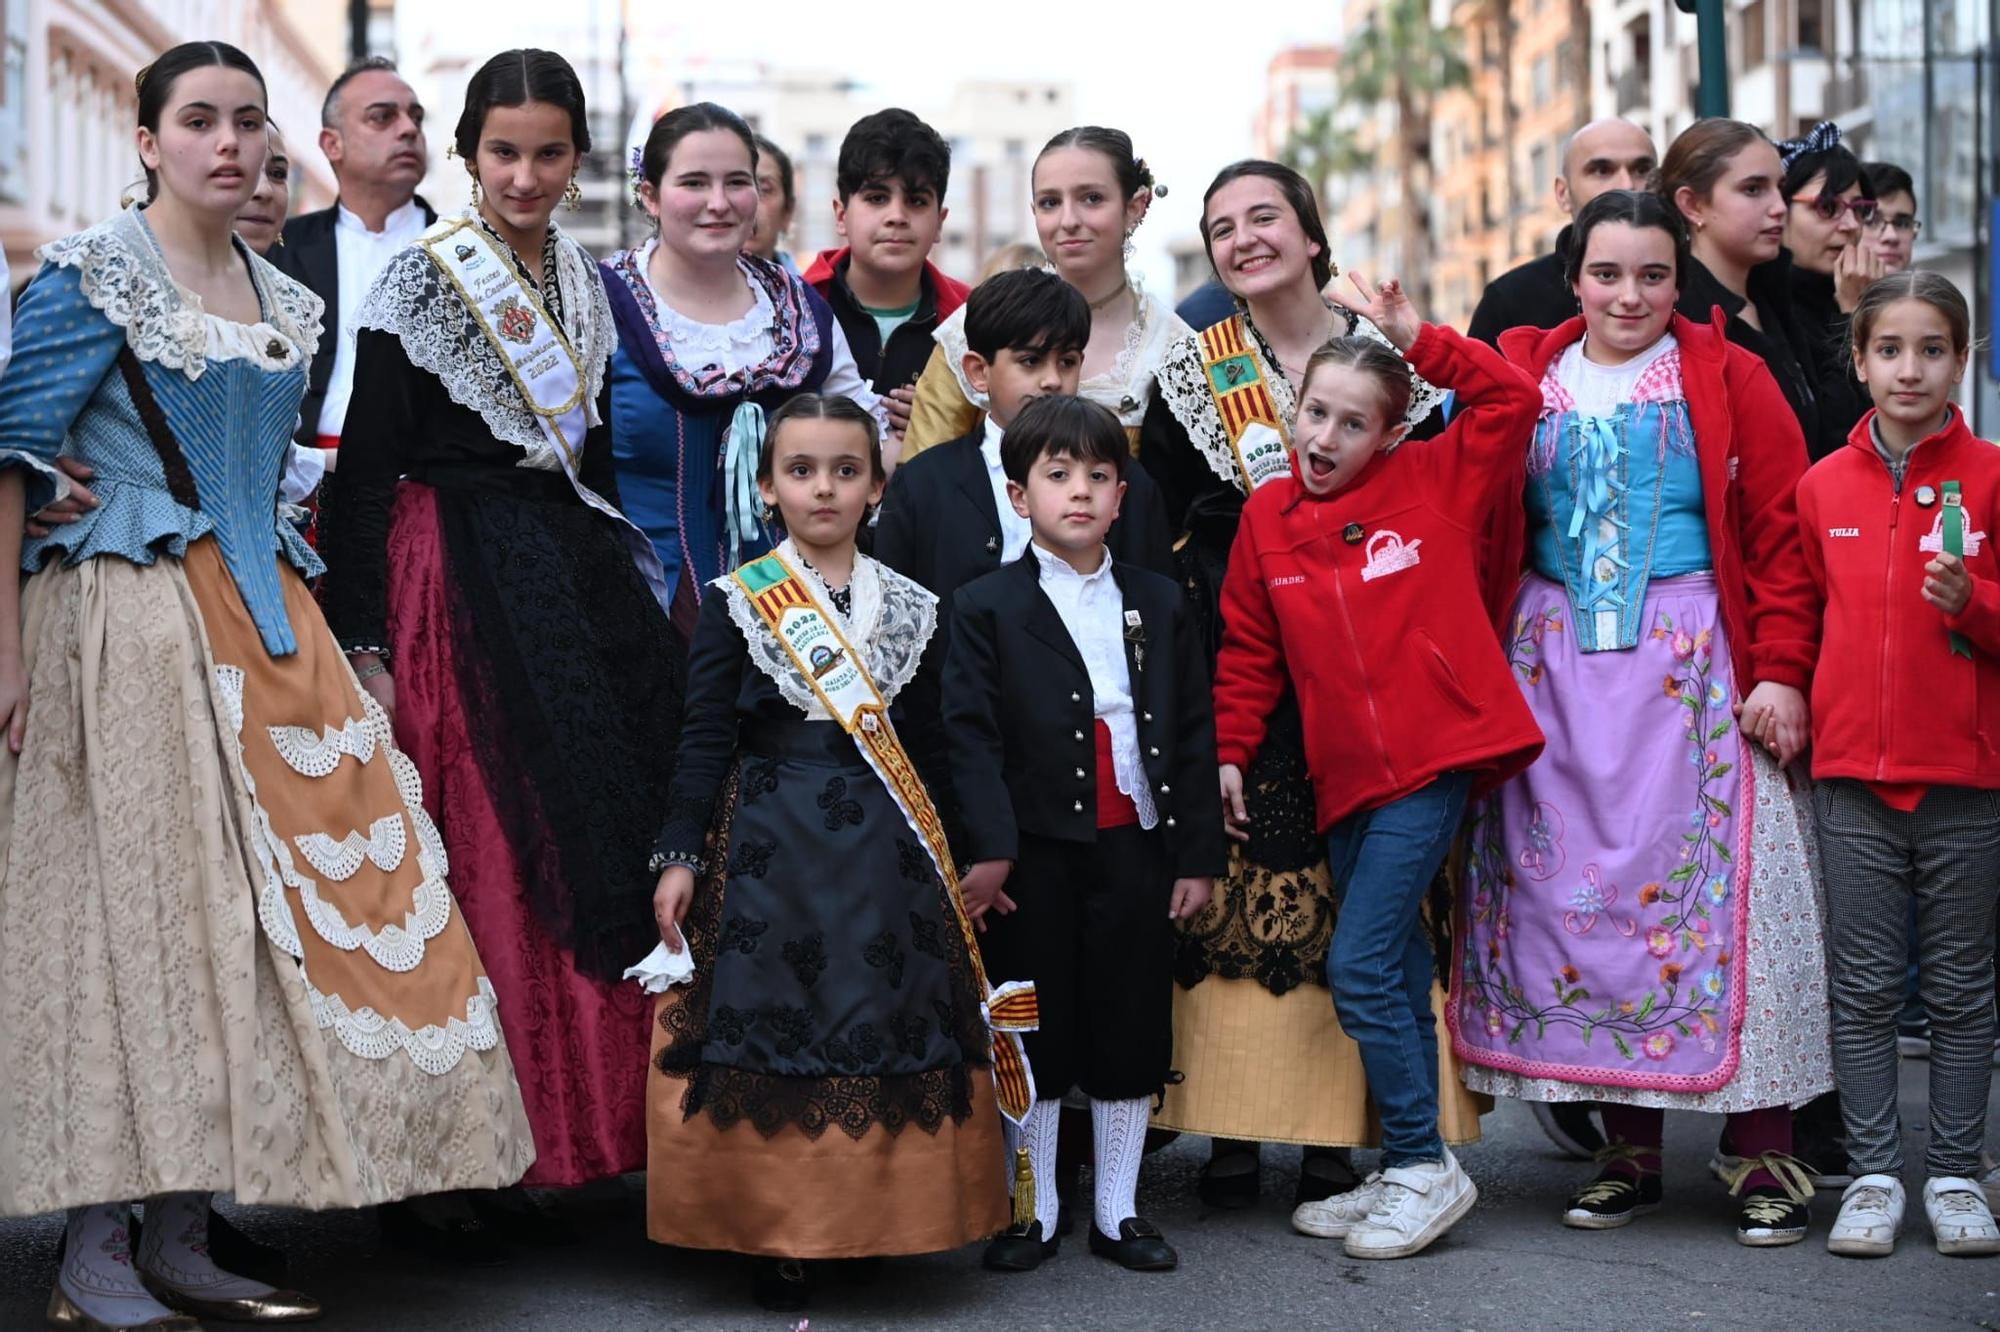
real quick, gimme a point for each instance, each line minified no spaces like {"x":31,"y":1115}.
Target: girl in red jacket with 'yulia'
{"x":1906,"y":719}
{"x":1357,"y":576}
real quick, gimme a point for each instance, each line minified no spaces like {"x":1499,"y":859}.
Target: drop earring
{"x":475,"y":191}
{"x":573,"y":196}
{"x":1130,"y":248}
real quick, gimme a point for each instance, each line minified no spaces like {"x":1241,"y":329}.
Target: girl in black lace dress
{"x":824,"y":1089}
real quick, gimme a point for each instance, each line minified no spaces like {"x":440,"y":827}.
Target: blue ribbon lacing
{"x":1596,"y":450}
{"x":743,"y":508}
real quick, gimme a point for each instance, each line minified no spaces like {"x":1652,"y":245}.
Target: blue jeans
{"x":1379,"y":968}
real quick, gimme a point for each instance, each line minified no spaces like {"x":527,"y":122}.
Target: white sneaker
{"x":1871,"y":1212}
{"x":1417,"y":1203}
{"x":1332,"y":1218}
{"x":1989,"y":1180}
{"x":1960,"y":1218}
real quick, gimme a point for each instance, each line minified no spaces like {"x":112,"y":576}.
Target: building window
{"x":1539,"y":174}
{"x":1812,"y":23}
{"x":1753,"y":35}
{"x":1541,"y":81}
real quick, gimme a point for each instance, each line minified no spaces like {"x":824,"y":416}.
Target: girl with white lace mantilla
{"x":1261,"y":1051}
{"x":503,"y":610}
{"x":825,"y":1089}
{"x":711,"y":338}
{"x":1090,"y":196}
{"x":251,"y":977}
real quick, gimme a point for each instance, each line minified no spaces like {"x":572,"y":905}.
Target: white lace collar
{"x":125,"y":277}
{"x":1125,"y":388}
{"x":890,"y":625}
{"x":1183,"y":383}
{"x":440,"y":335}
{"x":698,"y":344}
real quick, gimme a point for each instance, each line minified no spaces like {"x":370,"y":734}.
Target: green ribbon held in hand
{"x":1954,"y":544}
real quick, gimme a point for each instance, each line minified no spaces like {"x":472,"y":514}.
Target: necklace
{"x":1124,"y":285}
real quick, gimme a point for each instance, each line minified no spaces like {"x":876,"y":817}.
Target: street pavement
{"x":1510,"y":1266}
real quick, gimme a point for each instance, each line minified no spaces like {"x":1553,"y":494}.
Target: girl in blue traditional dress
{"x":250,"y":975}
{"x":711,"y":339}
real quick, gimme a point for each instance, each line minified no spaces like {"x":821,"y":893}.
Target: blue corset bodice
{"x":1619,"y":504}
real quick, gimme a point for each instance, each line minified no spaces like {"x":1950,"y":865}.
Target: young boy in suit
{"x":1082,"y":743}
{"x":946,"y":518}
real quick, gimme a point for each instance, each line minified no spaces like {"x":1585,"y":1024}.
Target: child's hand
{"x":980,"y":887}
{"x":670,"y":904}
{"x":1190,"y":896}
{"x":1389,"y":310}
{"x":1775,"y":716}
{"x":1235,"y":819}
{"x":1947,"y":584}
{"x":898,"y":403}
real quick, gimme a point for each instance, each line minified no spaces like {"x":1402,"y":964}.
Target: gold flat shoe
{"x":280,"y":1306}
{"x":64,"y":1313}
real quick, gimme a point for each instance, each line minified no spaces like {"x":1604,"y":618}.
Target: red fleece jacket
{"x":1751,"y":454}
{"x":1891,"y":702}
{"x":1370,"y":599}
{"x":951,"y":293}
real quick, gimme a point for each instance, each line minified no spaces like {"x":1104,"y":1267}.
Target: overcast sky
{"x":1185,"y":80}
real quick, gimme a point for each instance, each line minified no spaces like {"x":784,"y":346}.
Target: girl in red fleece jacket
{"x":1906,"y":718}
{"x":1357,"y":576}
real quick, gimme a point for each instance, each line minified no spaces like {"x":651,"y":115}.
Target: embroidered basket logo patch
{"x":1934,"y":543}
{"x":1387,"y":554}
{"x":517,"y":321}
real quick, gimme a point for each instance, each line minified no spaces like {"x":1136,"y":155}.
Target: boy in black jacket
{"x":946,"y":518}
{"x":1082,"y":742}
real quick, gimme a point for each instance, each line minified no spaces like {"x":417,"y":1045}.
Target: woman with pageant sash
{"x":826,"y":1087}
{"x":1255,"y":1036}
{"x":711,"y":340}
{"x":493,"y":599}
{"x":229,"y":959}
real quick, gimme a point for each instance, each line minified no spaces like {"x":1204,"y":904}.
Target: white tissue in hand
{"x":661,"y":969}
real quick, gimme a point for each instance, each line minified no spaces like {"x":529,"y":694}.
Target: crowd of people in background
{"x":865,"y":749}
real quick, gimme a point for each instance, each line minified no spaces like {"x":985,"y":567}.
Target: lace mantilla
{"x":1183,"y":380}
{"x":414,"y":301}
{"x":891,"y":624}
{"x":123,"y":274}
{"x":1126,"y":388}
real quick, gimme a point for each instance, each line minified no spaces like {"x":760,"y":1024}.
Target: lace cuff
{"x":683,"y":838}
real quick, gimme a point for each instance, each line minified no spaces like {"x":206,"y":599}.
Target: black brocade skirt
{"x":832,"y":982}
{"x":573,"y":689}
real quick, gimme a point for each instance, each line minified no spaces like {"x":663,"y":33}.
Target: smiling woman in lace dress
{"x":493,"y":598}
{"x":249,"y":974}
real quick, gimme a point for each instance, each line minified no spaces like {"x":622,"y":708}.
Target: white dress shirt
{"x":1014,"y":529}
{"x":1093,"y":610}
{"x":362,"y":255}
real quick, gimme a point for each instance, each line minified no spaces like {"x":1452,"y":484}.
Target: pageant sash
{"x":1236,"y":379}
{"x":833,"y":670}
{"x":541,"y":362}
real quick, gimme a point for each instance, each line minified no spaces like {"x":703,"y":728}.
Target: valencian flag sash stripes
{"x":834,"y":671}
{"x":1242,"y":393}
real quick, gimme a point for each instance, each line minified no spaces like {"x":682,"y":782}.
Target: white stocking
{"x":97,"y":1271}
{"x":173,"y":1248}
{"x":1119,"y":1128}
{"x":1038,"y":1135}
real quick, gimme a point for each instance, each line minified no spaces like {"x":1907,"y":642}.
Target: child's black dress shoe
{"x":1140,"y":1247}
{"x":1019,"y":1249}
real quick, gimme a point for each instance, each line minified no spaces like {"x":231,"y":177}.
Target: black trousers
{"x":1090,"y":929}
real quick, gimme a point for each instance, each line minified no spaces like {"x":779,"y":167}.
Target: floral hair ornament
{"x":1823,"y":137}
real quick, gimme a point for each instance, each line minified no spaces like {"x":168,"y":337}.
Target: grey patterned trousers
{"x":1875,"y":858}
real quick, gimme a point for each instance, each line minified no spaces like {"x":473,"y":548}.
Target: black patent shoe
{"x":1235,"y":1188}
{"x":1324,"y":1172}
{"x":779,"y":1284}
{"x":1019,"y":1249}
{"x":518,"y":1217}
{"x":1140,"y":1247}
{"x":443,"y":1233}
{"x":234,"y":1251}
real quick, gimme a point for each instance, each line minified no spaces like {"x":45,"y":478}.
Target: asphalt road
{"x":1510,"y":1266}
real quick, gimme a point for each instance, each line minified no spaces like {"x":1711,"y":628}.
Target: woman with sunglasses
{"x":1724,"y":176}
{"x":1828,"y":204}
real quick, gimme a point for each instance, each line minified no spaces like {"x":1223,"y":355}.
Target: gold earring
{"x":573,"y":196}
{"x":475,"y":191}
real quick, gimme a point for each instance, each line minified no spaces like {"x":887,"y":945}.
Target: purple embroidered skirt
{"x":1605,"y":907}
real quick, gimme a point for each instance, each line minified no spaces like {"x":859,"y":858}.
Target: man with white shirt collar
{"x":372,"y":132}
